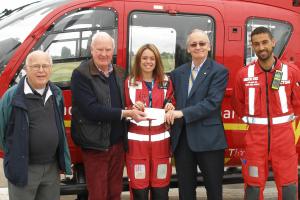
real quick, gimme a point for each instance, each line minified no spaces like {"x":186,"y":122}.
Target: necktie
{"x":192,"y":78}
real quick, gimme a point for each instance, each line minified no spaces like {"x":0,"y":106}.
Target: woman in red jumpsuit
{"x":148,"y":158}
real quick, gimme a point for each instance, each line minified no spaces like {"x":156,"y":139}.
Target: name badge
{"x":276,"y":80}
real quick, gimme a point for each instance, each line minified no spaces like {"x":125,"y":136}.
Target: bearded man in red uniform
{"x":267,"y":97}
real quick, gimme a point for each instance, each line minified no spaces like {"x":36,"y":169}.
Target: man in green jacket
{"x":32,"y":133}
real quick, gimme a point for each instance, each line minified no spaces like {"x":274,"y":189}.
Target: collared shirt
{"x":28,"y":90}
{"x":197,"y":68}
{"x":106,"y":74}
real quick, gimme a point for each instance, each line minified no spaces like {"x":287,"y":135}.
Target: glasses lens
{"x":193,"y":44}
{"x":45,"y":66}
{"x":201,"y":44}
{"x":38,"y":66}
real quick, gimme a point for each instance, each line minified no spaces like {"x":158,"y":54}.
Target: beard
{"x":264,"y":55}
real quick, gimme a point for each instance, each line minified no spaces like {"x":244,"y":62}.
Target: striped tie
{"x":192,"y":78}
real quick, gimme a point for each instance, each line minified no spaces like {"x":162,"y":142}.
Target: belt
{"x":264,"y":121}
{"x":153,"y":138}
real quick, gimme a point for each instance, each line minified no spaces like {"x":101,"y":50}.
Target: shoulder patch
{"x":132,"y":83}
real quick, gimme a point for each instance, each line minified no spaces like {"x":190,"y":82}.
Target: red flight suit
{"x":270,"y":137}
{"x":148,"y":158}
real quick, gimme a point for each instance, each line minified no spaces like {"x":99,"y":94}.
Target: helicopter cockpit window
{"x":16,"y":26}
{"x":69,"y":40}
{"x":87,"y":19}
{"x":280,"y":30}
{"x":172,"y":30}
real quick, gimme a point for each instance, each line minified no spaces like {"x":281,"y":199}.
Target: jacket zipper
{"x":268,"y":112}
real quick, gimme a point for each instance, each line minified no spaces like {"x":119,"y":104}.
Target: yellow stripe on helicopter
{"x":297,"y":131}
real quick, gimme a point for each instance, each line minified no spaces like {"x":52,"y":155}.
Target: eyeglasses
{"x":201,"y":44}
{"x":37,"y":67}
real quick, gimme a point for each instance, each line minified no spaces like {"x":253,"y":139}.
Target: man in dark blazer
{"x":197,"y":133}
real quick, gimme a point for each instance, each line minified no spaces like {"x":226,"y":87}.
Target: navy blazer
{"x":202,"y":108}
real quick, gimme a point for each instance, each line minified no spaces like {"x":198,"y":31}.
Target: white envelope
{"x":155,"y":114}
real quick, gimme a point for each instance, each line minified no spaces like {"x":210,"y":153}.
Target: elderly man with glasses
{"x":197,"y":134}
{"x":32,"y":133}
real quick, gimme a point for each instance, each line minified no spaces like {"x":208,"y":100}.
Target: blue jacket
{"x":202,"y":108}
{"x":14,"y":133}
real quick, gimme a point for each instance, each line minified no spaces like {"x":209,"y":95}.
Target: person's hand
{"x":138,"y":106}
{"x":138,"y":115}
{"x":172,"y":115}
{"x":134,"y":114}
{"x":169,"y":106}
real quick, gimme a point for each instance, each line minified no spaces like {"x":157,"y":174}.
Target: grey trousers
{"x":43,"y":184}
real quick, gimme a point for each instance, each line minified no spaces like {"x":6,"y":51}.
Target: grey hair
{"x":102,"y":35}
{"x":196,"y":31}
{"x":36,"y":53}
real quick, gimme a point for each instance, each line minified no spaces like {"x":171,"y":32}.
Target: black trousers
{"x":211,"y":164}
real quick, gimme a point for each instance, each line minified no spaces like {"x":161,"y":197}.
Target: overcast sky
{"x":12,"y":4}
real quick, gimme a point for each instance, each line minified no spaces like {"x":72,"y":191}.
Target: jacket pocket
{"x":162,"y":171}
{"x":15,"y":169}
{"x":138,"y":171}
{"x":254,"y":172}
{"x":89,"y":134}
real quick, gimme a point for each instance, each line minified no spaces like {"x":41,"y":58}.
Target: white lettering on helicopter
{"x":236,"y":152}
{"x":228,"y":114}
{"x":68,"y":110}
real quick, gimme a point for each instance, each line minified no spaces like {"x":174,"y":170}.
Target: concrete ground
{"x":231,"y":192}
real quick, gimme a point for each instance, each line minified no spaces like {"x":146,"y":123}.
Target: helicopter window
{"x":15,"y":25}
{"x":65,"y":45}
{"x":87,"y":19}
{"x":168,"y":33}
{"x":68,"y":41}
{"x":280,"y":30}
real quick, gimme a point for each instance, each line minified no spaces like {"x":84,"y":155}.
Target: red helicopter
{"x":64,"y":28}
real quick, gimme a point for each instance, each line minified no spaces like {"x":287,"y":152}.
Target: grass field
{"x":62,"y":71}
